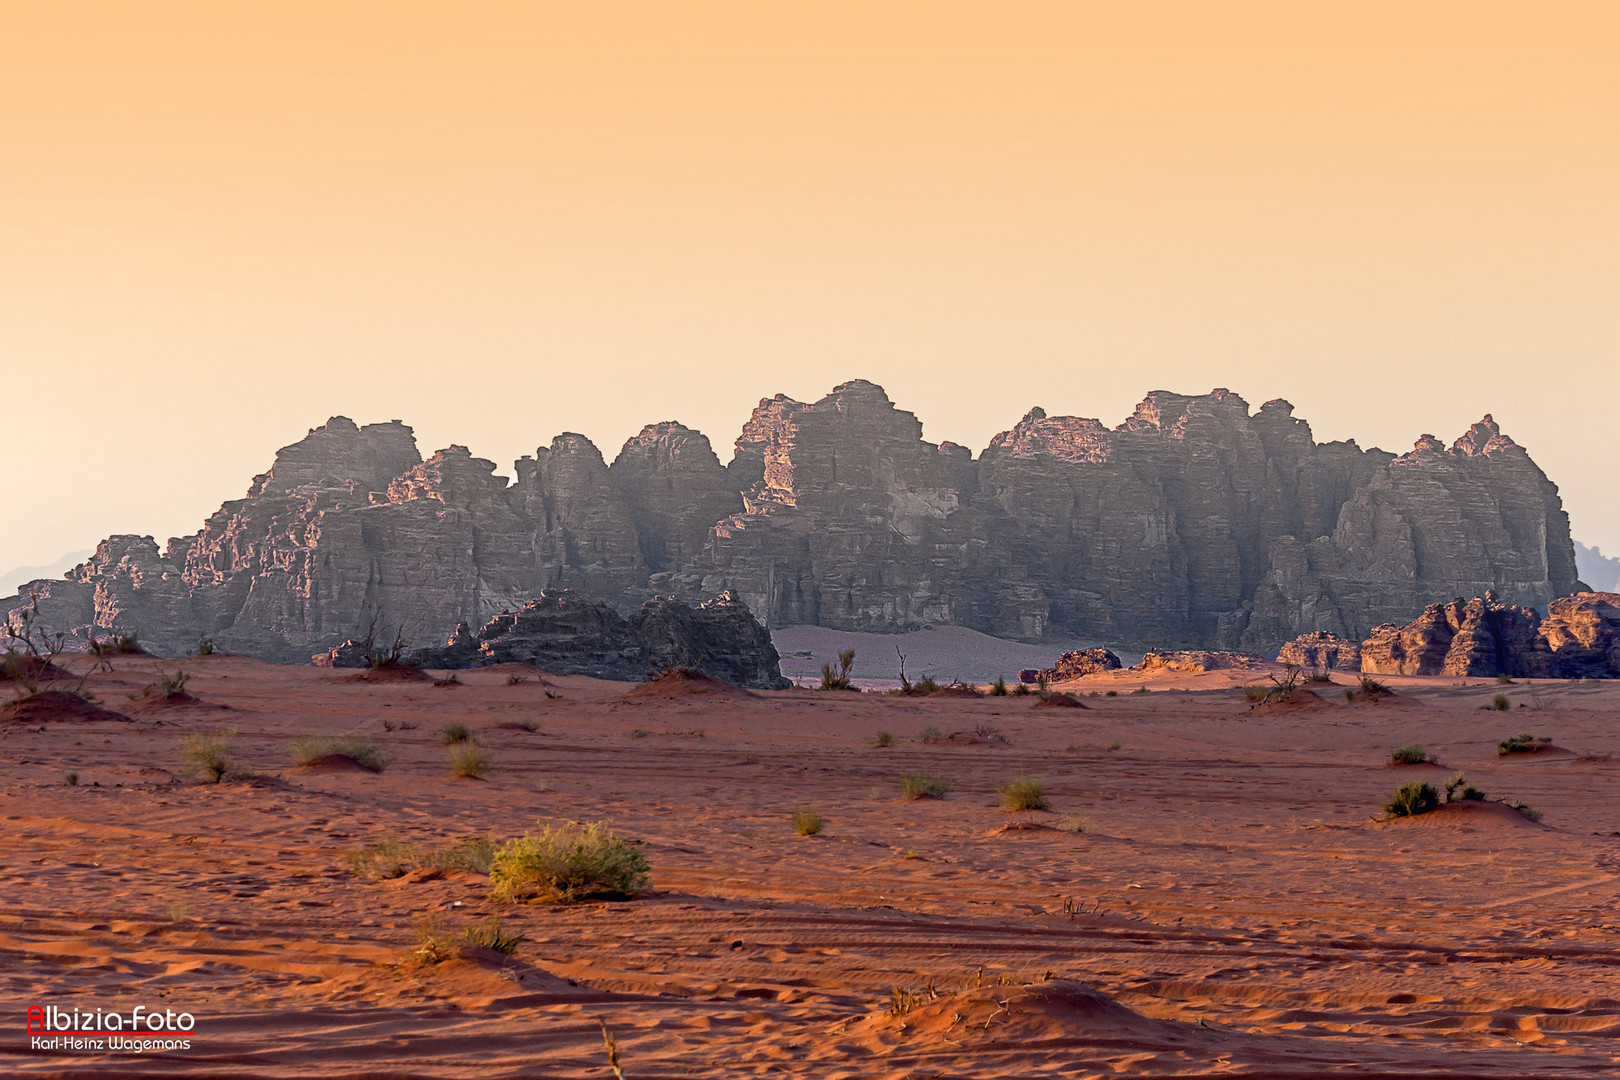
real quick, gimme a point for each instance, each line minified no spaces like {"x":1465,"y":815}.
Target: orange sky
{"x":500,"y":221}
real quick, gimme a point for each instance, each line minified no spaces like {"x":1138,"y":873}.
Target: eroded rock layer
{"x":1579,"y":638}
{"x":1197,"y":522}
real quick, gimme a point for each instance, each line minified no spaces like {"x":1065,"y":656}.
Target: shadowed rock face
{"x":1579,"y":638}
{"x":569,"y":635}
{"x":1197,"y":522}
{"x":1320,"y":650}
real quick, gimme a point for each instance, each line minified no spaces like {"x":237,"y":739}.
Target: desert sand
{"x":1211,"y":892}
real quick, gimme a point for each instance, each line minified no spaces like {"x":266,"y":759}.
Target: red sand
{"x":1212,"y":896}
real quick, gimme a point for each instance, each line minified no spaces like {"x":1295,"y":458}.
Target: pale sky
{"x":497,"y":222}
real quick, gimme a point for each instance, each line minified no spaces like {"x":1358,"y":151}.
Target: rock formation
{"x":1474,"y":638}
{"x":1074,"y":665}
{"x":567,"y":634}
{"x":1197,"y":522}
{"x":1583,"y":632}
{"x":1320,"y":650}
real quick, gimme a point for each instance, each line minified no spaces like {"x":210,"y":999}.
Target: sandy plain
{"x":1210,"y":895}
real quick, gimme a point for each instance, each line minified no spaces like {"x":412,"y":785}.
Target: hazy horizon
{"x":223,"y":227}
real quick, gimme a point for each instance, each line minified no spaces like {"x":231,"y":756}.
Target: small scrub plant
{"x":451,"y":679}
{"x":838,"y":679}
{"x":1410,"y":754}
{"x":1504,"y":679}
{"x":567,"y":863}
{"x":999,"y":687}
{"x":1320,"y":675}
{"x":1043,"y":682}
{"x":923,"y":785}
{"x":1410,"y":800}
{"x":806,"y":821}
{"x":1021,"y":690}
{"x":1255,"y":694}
{"x":434,"y":945}
{"x":883,"y":739}
{"x":513,"y":679}
{"x":1371,"y":689}
{"x":71,"y":779}
{"x":490,"y":934}
{"x":1023,"y":793}
{"x":211,"y":758}
{"x":929,"y":735}
{"x":1526,"y":809}
{"x":1115,"y":745}
{"x":382,"y":861}
{"x":1458,"y":789}
{"x":473,"y":853}
{"x":468,"y":759}
{"x":1141,"y":690}
{"x":1113,"y":693}
{"x":205,"y":646}
{"x":174,"y":686}
{"x":126,"y":644}
{"x":1500,"y":702}
{"x":926,"y":685}
{"x":364,"y":752}
{"x":455,"y":733}
{"x":1521,"y":744}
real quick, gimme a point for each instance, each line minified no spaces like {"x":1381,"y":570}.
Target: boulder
{"x":1077,"y":664}
{"x":1320,"y":650}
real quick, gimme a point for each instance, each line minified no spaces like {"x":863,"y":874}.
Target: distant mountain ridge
{"x":1198,"y":522}
{"x":1598,"y":571}
{"x":15,"y":578}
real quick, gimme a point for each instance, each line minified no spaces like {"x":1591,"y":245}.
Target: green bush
{"x":928,"y":735}
{"x":567,"y":863}
{"x":455,"y":733}
{"x":491,"y":935}
{"x":1527,"y":810}
{"x":1458,"y":789}
{"x":923,"y":785}
{"x":1023,"y":793}
{"x":474,"y":853}
{"x":999,"y":687}
{"x":883,"y":739}
{"x":1500,"y":703}
{"x":806,"y":821}
{"x":211,"y":757}
{"x":1410,"y":754}
{"x":839,"y":679}
{"x":926,"y":685}
{"x":1520,"y":744}
{"x":362,"y":751}
{"x":1418,"y":797}
{"x":468,"y":759}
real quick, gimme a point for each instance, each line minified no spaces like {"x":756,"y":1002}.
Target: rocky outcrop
{"x":1197,"y":522}
{"x":1195,"y":661}
{"x":566,"y":634}
{"x":1321,"y":651}
{"x":1077,"y":664}
{"x":1583,"y":632}
{"x":1464,"y":638}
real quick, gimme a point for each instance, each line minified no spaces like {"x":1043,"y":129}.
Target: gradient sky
{"x":222,"y":223}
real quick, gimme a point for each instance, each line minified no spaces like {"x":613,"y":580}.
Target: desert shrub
{"x":451,"y":679}
{"x":1349,"y":694}
{"x":1021,"y":690}
{"x":434,"y":945}
{"x":1113,"y":693}
{"x":567,"y":863}
{"x":174,"y":686}
{"x":71,"y":779}
{"x":211,"y":758}
{"x":1023,"y":793}
{"x":456,"y":732}
{"x":838,"y":679}
{"x":883,"y":739}
{"x":1458,"y":789}
{"x":806,"y":821}
{"x":1500,"y":702}
{"x":205,"y":646}
{"x":1043,"y":682}
{"x":1526,"y":809}
{"x":1525,"y":743}
{"x":1409,"y":800}
{"x":926,"y":685}
{"x":1371,"y":689}
{"x":1410,"y":754}
{"x":382,"y":860}
{"x":468,"y":759}
{"x":1255,"y":694}
{"x":923,"y":785}
{"x":472,"y":853}
{"x":1504,"y":679}
{"x":1115,"y":745}
{"x":364,"y":752}
{"x":1141,"y":690}
{"x":490,"y":934}
{"x":999,"y":687}
{"x":513,"y":679}
{"x":126,"y":644}
{"x":1320,"y":675}
{"x":928,"y":735}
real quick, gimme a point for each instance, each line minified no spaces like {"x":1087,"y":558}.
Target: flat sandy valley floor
{"x":1210,"y":893}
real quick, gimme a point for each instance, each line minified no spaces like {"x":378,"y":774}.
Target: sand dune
{"x":1209,"y":894}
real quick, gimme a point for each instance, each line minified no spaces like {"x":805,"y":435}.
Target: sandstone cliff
{"x":1197,"y":522}
{"x":1579,"y":638}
